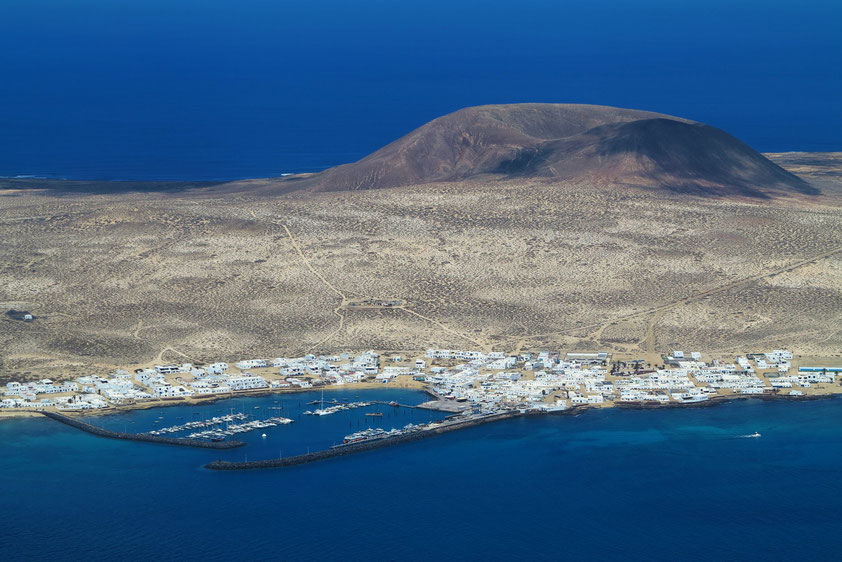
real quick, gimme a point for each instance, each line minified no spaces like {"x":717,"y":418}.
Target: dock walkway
{"x":358,"y":447}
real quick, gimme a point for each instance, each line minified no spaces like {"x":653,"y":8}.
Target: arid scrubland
{"x":131,"y":278}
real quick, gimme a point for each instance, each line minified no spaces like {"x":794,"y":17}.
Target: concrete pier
{"x":445,"y":406}
{"x":352,"y":448}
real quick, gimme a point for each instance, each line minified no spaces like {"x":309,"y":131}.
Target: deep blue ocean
{"x":611,"y":485}
{"x":222,"y":89}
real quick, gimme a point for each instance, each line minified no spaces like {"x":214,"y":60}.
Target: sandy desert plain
{"x":166,"y":273}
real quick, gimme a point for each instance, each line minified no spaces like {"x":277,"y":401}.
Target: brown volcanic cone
{"x":597,"y":143}
{"x":665,"y":153}
{"x":471,"y":141}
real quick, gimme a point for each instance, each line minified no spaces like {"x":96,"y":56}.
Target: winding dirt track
{"x":160,"y":357}
{"x":328,"y":284}
{"x":344,"y":301}
{"x":648,"y":341}
{"x":446,"y":329}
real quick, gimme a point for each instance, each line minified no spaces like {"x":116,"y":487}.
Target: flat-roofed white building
{"x":247,"y":382}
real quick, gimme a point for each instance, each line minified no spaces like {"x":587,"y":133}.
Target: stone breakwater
{"x":142,"y":437}
{"x":343,"y":450}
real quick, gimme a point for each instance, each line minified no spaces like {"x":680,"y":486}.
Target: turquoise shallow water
{"x":616,"y":484}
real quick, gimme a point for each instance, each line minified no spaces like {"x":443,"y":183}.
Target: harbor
{"x":540,"y":448}
{"x":216,"y":420}
{"x":455,"y":389}
{"x":366,"y":442}
{"x":362,"y":433}
{"x":269,"y":425}
{"x":142,"y":437}
{"x":234,"y":429}
{"x":335,"y":406}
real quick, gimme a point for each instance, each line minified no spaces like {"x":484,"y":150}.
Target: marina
{"x":378,"y":433}
{"x":214,"y":430}
{"x":240,"y":420}
{"x":466,"y":387}
{"x":336,"y":407}
{"x":219,"y":434}
{"x":539,"y":448}
{"x":143,"y":437}
{"x":366,"y":441}
{"x":216,"y":420}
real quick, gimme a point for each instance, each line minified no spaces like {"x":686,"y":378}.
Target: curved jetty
{"x":144,"y":437}
{"x":342,"y":450}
